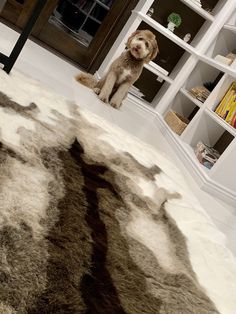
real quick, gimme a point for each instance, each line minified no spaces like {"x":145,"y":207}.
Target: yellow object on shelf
{"x":227,"y":105}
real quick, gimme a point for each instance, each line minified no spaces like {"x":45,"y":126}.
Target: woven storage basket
{"x":176,"y":122}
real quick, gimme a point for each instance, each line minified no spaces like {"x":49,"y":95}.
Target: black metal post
{"x":10,"y":61}
{"x":3,"y":58}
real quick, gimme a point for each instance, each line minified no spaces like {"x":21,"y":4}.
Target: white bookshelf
{"x":217,"y":35}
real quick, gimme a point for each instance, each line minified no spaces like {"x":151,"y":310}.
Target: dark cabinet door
{"x":81,"y":30}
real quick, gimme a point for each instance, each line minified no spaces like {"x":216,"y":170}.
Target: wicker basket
{"x":176,"y":122}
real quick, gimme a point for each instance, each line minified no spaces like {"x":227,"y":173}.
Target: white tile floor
{"x":58,"y":74}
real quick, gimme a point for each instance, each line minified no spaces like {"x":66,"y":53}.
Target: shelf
{"x":159,"y":71}
{"x":230,"y":27}
{"x":222,"y":45}
{"x":184,"y":106}
{"x":189,"y":150}
{"x":202,"y":73}
{"x":220,"y":66}
{"x":210,"y":130}
{"x":194,"y":100}
{"x":221,"y":122}
{"x":198,"y":10}
{"x":149,"y":83}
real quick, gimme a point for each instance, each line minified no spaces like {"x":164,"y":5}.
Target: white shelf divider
{"x":221,"y":122}
{"x":230,"y":27}
{"x":198,"y":10}
{"x":194,"y":100}
{"x":156,"y":69}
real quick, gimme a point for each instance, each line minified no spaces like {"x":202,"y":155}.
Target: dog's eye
{"x":147,"y":44}
{"x":140,"y":38}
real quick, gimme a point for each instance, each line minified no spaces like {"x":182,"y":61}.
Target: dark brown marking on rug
{"x":130,"y":164}
{"x":6,"y":151}
{"x":28,"y":112}
{"x":98,"y":284}
{"x":147,"y":172}
{"x":63,"y":294}
{"x":100,"y":291}
{"x":6,"y":102}
{"x":68,"y":241}
{"x":21,"y":266}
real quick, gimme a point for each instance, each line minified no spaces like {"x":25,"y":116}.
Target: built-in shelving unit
{"x":197,"y":65}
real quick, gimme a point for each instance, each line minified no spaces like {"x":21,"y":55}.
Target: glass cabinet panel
{"x":81,"y":18}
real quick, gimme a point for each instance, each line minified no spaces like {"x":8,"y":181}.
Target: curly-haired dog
{"x":125,"y":70}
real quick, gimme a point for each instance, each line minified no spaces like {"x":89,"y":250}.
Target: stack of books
{"x":199,"y":92}
{"x":227,"y":107}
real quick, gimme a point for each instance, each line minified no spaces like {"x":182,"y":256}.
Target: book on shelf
{"x":227,"y":107}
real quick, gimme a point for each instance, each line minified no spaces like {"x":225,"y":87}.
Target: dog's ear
{"x":130,"y":38}
{"x":154,"y":53}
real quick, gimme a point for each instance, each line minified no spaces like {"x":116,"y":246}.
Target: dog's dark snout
{"x":138,"y":47}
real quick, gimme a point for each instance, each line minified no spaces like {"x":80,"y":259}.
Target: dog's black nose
{"x":138,"y":47}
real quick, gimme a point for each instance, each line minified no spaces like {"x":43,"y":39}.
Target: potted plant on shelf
{"x":174,"y":20}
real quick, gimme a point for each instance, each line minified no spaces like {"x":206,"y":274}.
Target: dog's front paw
{"x":115,"y":104}
{"x":103,"y":97}
{"x":97,"y":90}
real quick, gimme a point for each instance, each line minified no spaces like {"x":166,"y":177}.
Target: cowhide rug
{"x":88,"y":218}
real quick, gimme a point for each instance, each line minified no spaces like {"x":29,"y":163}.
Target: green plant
{"x":175,"y":19}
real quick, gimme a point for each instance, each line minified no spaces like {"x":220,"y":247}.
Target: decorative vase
{"x":187,"y":37}
{"x":171,"y":26}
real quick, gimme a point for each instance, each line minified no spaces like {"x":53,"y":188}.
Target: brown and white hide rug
{"x":92,"y":220}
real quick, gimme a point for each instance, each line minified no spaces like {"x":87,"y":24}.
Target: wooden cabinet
{"x":81,"y":30}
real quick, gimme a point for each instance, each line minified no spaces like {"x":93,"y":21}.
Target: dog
{"x":141,"y":48}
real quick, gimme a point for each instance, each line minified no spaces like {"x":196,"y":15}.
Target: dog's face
{"x":143,"y":45}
